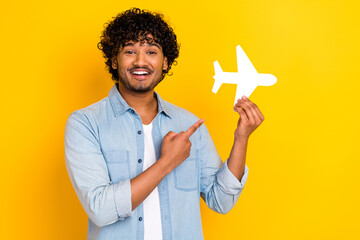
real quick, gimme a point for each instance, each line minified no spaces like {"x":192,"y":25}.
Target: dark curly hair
{"x":135,"y":25}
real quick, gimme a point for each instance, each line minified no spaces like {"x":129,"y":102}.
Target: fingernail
{"x":244,"y":97}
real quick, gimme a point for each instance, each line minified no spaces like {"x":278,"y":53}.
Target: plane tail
{"x":217,"y":77}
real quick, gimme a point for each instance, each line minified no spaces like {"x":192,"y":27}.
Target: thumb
{"x":170,"y":135}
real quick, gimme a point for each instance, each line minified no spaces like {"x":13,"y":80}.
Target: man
{"x":140,"y":164}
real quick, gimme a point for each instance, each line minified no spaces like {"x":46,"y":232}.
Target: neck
{"x":144,"y":103}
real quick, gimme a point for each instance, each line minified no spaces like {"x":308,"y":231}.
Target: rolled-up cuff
{"x":122,"y":197}
{"x":228,"y":182}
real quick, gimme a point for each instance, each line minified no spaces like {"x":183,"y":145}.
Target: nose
{"x":140,"y":59}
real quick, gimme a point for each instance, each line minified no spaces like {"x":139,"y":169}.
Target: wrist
{"x":241,"y":139}
{"x":164,"y":166}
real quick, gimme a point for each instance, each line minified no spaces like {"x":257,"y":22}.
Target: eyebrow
{"x":154,"y":44}
{"x":128,"y":44}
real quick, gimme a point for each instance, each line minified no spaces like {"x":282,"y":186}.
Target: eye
{"x":129,"y":52}
{"x":151,"y":52}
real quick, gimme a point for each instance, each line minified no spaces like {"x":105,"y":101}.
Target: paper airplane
{"x":247,"y":78}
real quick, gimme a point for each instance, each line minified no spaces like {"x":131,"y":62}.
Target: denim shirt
{"x":104,"y":149}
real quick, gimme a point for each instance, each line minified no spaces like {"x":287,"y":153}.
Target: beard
{"x":141,"y":87}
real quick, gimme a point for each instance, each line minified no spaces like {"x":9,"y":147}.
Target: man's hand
{"x":176,"y":147}
{"x":250,"y":118}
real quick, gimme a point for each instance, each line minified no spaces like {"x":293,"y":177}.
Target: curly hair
{"x":135,"y":25}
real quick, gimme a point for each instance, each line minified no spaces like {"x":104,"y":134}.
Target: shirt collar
{"x":120,"y":106}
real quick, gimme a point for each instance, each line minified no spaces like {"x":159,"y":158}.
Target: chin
{"x":141,"y":88}
{"x":144,"y":88}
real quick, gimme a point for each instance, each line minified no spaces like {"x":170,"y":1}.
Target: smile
{"x":141,"y":73}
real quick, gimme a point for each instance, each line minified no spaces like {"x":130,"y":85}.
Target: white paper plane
{"x":247,"y":78}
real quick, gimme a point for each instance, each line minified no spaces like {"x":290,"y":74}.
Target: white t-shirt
{"x":152,"y":214}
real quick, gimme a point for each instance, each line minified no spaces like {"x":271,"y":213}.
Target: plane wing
{"x":243,"y":62}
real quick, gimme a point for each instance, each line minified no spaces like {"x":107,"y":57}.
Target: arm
{"x":250,"y":119}
{"x":221,"y":184}
{"x":104,"y":202}
{"x":143,"y":184}
{"x":219,"y":188}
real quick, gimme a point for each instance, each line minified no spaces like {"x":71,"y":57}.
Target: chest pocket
{"x":118,"y":165}
{"x":186,"y":174}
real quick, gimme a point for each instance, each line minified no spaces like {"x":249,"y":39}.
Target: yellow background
{"x":303,"y":160}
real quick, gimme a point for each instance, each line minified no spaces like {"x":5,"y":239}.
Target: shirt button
{"x":132,"y":111}
{"x":139,"y":132}
{"x":139,"y":161}
{"x":140,"y":218}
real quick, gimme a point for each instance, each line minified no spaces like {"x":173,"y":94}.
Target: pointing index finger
{"x":193,"y":128}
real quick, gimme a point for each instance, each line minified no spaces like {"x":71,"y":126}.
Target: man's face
{"x":140,"y":65}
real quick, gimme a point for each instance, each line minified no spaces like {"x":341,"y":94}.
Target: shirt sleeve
{"x":104,"y":202}
{"x":228,"y":182}
{"x":219,"y":188}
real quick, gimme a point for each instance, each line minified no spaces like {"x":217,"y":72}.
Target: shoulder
{"x":89,"y":115}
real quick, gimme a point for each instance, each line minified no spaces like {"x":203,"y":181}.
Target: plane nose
{"x":272,"y":79}
{"x":266,"y":79}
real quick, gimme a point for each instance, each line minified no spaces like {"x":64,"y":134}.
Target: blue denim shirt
{"x":104,"y":148}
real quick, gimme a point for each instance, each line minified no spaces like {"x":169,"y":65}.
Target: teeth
{"x":140,"y":72}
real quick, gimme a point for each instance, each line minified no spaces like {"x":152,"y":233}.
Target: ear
{"x":114,"y":64}
{"x":165,"y":64}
